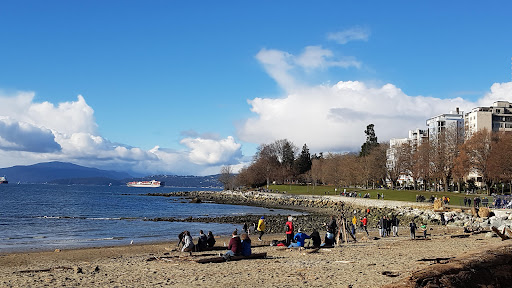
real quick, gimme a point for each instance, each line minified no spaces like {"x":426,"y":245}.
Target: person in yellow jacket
{"x":261,"y":227}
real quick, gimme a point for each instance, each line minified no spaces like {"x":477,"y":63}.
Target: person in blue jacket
{"x":299,"y":239}
{"x":246,"y":245}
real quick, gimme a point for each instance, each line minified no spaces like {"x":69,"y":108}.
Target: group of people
{"x":238,"y":246}
{"x":386,"y":226}
{"x":204,"y":242}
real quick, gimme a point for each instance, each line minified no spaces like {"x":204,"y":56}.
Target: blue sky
{"x":185,"y":87}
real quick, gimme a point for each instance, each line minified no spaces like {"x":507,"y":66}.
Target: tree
{"x":266,"y":162}
{"x":478,"y":150}
{"x":500,"y":160}
{"x":371,"y":141}
{"x":303,"y":162}
{"x":421,"y":164}
{"x":227,"y":178}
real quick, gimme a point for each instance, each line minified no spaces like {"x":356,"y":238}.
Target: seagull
{"x":131,"y":242}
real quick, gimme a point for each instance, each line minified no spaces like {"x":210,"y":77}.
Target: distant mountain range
{"x":68,"y":173}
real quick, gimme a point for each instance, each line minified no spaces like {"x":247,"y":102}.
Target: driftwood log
{"x":503,"y":234}
{"x":234,"y":258}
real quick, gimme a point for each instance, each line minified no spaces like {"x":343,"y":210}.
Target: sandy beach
{"x":366,"y":263}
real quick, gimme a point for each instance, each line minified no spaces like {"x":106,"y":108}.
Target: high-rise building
{"x":452,"y":120}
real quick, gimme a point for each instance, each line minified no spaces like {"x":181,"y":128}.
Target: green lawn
{"x":398,"y":195}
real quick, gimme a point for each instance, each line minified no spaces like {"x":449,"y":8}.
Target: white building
{"x":498,"y":117}
{"x":452,"y":120}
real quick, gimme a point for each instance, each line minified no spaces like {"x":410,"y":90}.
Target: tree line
{"x":444,"y":161}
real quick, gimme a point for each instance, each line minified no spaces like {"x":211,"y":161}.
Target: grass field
{"x":397,"y":195}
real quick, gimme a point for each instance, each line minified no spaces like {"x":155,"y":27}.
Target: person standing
{"x":289,"y":230}
{"x":365,"y":225}
{"x":395,"y":222}
{"x":413,"y":227}
{"x":261,"y":227}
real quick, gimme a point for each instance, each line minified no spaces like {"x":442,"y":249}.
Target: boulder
{"x":484,"y":212}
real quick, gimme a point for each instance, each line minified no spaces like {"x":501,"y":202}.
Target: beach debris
{"x":460,"y":236}
{"x":56,"y":250}
{"x":234,"y":258}
{"x":390,"y":273}
{"x":46,"y":270}
{"x":437,"y":259}
{"x":344,"y":261}
{"x":78,"y":270}
{"x":503,"y":234}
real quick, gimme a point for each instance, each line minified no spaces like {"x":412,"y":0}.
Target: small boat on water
{"x":3,"y":180}
{"x":152,"y":183}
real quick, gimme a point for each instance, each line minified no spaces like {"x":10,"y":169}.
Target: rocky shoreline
{"x":320,"y":208}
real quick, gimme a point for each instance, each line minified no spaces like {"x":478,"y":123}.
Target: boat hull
{"x":150,"y":184}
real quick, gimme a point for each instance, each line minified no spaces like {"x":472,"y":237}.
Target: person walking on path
{"x":261,"y":227}
{"x":289,"y":230}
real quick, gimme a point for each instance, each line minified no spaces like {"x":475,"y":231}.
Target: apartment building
{"x":453,"y":120}
{"x":497,"y":117}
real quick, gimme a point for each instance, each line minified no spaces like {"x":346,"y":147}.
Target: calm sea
{"x":47,"y":217}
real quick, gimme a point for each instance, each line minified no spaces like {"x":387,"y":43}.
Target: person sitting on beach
{"x":181,"y":237}
{"x":201,"y":242}
{"x":189,"y":243}
{"x":315,"y":237}
{"x":299,"y":239}
{"x":234,"y":246}
{"x":210,"y":240}
{"x":246,"y":245}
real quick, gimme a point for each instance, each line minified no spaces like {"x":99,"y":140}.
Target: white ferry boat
{"x":152,"y":183}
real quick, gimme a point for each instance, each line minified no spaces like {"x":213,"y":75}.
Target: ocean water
{"x":47,"y":217}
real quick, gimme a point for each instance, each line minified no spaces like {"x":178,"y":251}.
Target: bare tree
{"x":478,"y":151}
{"x":227,"y":178}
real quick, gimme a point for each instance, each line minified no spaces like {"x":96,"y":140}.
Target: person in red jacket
{"x":365,"y":225}
{"x":289,"y":230}
{"x":234,"y":246}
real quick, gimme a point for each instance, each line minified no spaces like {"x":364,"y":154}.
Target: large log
{"x":234,"y":258}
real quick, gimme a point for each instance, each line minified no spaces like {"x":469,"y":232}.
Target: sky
{"x":186,"y":87}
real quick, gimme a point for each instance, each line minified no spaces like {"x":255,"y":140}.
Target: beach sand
{"x":361,"y":264}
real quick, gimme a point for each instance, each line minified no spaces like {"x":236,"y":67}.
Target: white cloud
{"x":352,"y":34}
{"x":334,"y":117}
{"x":208,"y":151}
{"x":33,"y":132}
{"x":285,"y":68}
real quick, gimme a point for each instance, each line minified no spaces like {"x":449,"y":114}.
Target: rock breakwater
{"x":320,"y":208}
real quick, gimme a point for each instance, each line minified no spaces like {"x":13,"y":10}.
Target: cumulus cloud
{"x":22,"y":136}
{"x":32,"y":132}
{"x":334,"y":117}
{"x":285,"y":68}
{"x":352,"y":34}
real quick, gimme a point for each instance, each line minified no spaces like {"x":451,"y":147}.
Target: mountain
{"x":51,"y":171}
{"x":68,"y":173}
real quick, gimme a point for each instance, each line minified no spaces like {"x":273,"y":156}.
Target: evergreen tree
{"x":371,"y":141}
{"x":304,"y":160}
